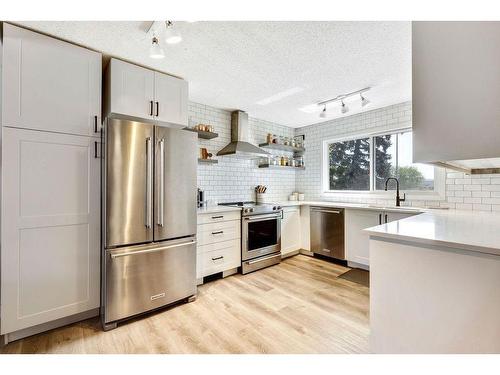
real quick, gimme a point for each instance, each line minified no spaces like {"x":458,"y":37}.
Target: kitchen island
{"x":434,"y":283}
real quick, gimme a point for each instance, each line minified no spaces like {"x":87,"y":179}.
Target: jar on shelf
{"x":286,"y":141}
{"x":269,"y":138}
{"x":274,"y":139}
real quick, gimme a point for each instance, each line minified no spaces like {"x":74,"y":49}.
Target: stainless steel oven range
{"x":260,"y":235}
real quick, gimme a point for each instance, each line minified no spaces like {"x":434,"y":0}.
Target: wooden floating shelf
{"x":207,"y":161}
{"x":202,"y":134}
{"x":276,"y":146}
{"x":279,"y":167}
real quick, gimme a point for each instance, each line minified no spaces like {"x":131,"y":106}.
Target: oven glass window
{"x":262,"y":234}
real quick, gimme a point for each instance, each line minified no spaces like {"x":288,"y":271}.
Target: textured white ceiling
{"x":284,"y":66}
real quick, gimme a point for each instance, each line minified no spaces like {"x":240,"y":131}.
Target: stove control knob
{"x":250,"y":210}
{"x":275,"y":208}
{"x":278,"y":208}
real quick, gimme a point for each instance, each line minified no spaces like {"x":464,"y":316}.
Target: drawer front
{"x":219,"y":216}
{"x":218,"y":232}
{"x":226,"y":256}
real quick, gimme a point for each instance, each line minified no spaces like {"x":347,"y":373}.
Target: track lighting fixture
{"x":364,"y":101}
{"x":172,"y":36}
{"x":323,"y":113}
{"x":344,"y":108}
{"x":340,"y":98}
{"x":155,"y":51}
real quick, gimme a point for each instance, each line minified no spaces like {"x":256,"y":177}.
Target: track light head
{"x":344,"y":108}
{"x":171,"y":35}
{"x":364,"y":101}
{"x":155,"y":51}
{"x":323,"y":112}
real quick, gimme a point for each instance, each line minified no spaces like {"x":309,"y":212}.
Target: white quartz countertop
{"x":468,"y":230}
{"x":360,"y":206}
{"x":214,"y":209}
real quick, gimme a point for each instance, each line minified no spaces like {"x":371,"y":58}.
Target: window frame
{"x":439,"y":173}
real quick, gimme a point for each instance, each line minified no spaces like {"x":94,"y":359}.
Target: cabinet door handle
{"x":151,"y":108}
{"x":218,"y":258}
{"x":386,"y":218}
{"x":218,"y":217}
{"x":157,"y":109}
{"x":379,"y":219}
{"x":95,"y":125}
{"x":96,"y":150}
{"x":218,"y":232}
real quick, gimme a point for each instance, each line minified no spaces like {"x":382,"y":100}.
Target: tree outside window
{"x":351,"y":165}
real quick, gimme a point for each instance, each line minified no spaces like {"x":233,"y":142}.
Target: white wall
{"x":234,"y":179}
{"x":464,"y":192}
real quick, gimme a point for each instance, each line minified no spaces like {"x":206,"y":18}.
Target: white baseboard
{"x":290,"y":254}
{"x":358,"y":265}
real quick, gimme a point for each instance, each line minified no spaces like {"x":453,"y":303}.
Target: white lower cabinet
{"x":357,"y":242}
{"x":219,"y":243}
{"x":50,"y":227}
{"x":290,"y":230}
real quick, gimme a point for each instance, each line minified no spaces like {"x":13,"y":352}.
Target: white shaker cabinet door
{"x":131,"y":90}
{"x":290,"y":230}
{"x":357,"y":242}
{"x":50,"y":227}
{"x":171,"y":100}
{"x":49,"y":84}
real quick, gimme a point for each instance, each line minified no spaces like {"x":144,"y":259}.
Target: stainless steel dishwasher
{"x":327,"y":232}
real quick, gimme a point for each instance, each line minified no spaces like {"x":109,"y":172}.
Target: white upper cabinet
{"x":49,"y":84}
{"x":171,"y":97}
{"x":456,"y":86}
{"x":50,"y":222}
{"x":142,"y":94}
{"x":131,"y":90}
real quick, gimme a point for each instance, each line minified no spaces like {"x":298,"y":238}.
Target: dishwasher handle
{"x":327,"y":211}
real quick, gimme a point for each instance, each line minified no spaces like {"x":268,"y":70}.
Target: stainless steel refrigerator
{"x":149,"y":217}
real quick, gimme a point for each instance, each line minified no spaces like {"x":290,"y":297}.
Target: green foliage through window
{"x":350,"y":164}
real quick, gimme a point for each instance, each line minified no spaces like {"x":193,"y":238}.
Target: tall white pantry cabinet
{"x":50,"y":203}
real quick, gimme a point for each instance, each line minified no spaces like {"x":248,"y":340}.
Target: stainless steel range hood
{"x":239,"y":146}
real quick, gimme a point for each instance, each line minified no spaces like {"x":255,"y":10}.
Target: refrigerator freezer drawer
{"x":143,"y":278}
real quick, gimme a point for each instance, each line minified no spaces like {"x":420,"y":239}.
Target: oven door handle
{"x":263,"y":259}
{"x":263,"y":217}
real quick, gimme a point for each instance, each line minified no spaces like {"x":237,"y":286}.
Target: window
{"x":364,"y":164}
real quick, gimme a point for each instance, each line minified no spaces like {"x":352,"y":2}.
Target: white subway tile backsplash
{"x":463,"y":191}
{"x":235,"y":179}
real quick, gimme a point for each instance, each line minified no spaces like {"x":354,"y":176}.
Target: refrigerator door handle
{"x":153,"y":250}
{"x":161,"y":200}
{"x":149,"y":171}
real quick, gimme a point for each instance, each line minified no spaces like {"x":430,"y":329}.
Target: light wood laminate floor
{"x":298,"y":306}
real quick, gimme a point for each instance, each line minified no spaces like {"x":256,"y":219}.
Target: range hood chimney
{"x":239,"y":146}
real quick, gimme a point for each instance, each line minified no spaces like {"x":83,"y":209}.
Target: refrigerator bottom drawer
{"x":143,"y":278}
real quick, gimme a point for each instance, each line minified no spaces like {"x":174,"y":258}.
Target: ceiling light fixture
{"x":172,"y":36}
{"x":340,"y":98}
{"x":345,"y":108}
{"x":155,"y":51}
{"x":323,"y":113}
